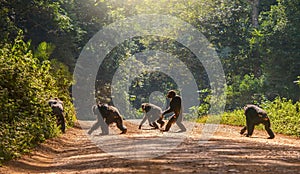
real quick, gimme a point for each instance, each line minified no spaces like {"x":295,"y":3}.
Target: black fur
{"x":255,"y":116}
{"x":58,"y":111}
{"x":107,"y":115}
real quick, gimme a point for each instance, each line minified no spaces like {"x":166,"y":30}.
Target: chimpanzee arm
{"x":168,"y":111}
{"x":175,"y":106}
{"x":250,"y":127}
{"x":143,"y":121}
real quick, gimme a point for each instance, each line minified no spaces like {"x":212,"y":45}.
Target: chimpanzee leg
{"x":104,"y":127}
{"x":61,"y":122}
{"x":268,"y":129}
{"x":179,"y":123}
{"x":120,"y":125}
{"x":170,"y":122}
{"x":243,"y":130}
{"x":94,"y":127}
{"x":181,"y":126}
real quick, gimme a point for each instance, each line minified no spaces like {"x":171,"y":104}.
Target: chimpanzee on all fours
{"x":151,"y":113}
{"x":255,"y":116}
{"x":107,"y":115}
{"x":58,"y":110}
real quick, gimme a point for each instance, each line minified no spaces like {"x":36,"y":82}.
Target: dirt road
{"x":225,"y":152}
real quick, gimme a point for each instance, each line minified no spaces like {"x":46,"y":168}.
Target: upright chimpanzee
{"x":255,"y":116}
{"x":58,"y":110}
{"x":107,"y":115}
{"x":175,"y":106}
{"x":152,"y":113}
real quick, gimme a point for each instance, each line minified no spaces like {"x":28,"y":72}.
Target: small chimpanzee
{"x":58,"y":110}
{"x":255,"y":116}
{"x":152,"y":113}
{"x":175,"y":106}
{"x":107,"y":115}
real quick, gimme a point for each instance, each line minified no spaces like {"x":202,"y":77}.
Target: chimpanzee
{"x":107,"y":115}
{"x":58,"y":110}
{"x":255,"y":116}
{"x":152,"y":113}
{"x":175,"y":106}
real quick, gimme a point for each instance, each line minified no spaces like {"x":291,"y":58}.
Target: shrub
{"x":283,"y":113}
{"x":26,"y":84}
{"x":246,"y":89}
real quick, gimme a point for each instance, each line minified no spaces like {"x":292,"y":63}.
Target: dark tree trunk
{"x":255,"y":13}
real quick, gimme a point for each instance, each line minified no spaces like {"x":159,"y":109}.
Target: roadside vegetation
{"x":27,"y":82}
{"x":283,"y":113}
{"x":257,"y":41}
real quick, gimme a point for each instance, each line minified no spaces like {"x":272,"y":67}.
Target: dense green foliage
{"x":278,"y":42}
{"x":267,"y":52}
{"x":247,"y":89}
{"x":26,"y":83}
{"x":257,"y":66}
{"x":258,"y":47}
{"x":283,"y":113}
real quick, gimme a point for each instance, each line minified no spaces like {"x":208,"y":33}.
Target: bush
{"x":26,"y":84}
{"x":200,"y":111}
{"x":235,"y":118}
{"x":246,"y":89}
{"x":284,"y":116}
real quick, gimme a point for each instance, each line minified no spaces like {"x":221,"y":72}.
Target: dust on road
{"x":225,"y":152}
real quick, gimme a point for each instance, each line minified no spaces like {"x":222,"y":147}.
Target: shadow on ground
{"x":73,"y":152}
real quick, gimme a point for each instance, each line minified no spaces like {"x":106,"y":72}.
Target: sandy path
{"x":225,"y":152}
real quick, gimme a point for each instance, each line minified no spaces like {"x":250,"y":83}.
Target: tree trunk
{"x":255,"y":12}
{"x":255,"y":60}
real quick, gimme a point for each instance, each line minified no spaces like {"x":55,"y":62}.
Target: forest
{"x":256,"y":41}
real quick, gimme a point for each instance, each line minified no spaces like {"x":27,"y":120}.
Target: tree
{"x":280,"y":42}
{"x":61,"y":23}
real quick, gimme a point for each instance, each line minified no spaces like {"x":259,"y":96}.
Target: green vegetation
{"x":26,"y":83}
{"x":257,"y":41}
{"x":284,"y":116}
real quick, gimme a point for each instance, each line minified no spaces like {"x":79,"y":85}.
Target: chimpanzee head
{"x":143,"y":106}
{"x":171,"y":94}
{"x":146,"y":107}
{"x":55,"y":101}
{"x":103,"y":106}
{"x":52,"y":102}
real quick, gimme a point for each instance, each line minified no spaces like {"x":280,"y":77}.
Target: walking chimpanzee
{"x":255,"y":116}
{"x":152,"y":113}
{"x":58,"y":110}
{"x":175,"y":106}
{"x":107,"y":115}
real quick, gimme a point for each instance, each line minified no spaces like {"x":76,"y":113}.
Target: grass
{"x":283,"y":113}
